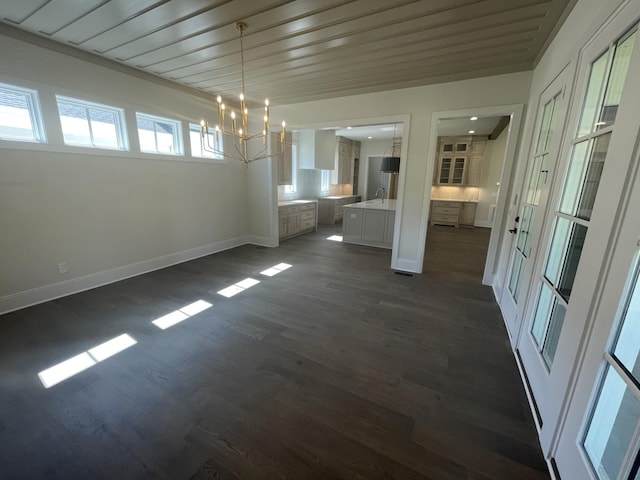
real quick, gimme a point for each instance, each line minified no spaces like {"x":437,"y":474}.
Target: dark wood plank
{"x":336,"y":368}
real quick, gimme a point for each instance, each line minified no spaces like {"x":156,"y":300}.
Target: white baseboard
{"x":406,"y":265}
{"x":27,"y":298}
{"x":483,"y":224}
{"x":261,"y":241}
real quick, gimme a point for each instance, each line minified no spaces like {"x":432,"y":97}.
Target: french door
{"x":537,"y":183}
{"x":600,"y":438}
{"x":577,"y":234}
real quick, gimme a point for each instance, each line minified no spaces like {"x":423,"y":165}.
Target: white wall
{"x":488,"y":190}
{"x":107,"y":215}
{"x":419,"y":103}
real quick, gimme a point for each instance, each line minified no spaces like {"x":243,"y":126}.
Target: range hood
{"x":390,"y":165}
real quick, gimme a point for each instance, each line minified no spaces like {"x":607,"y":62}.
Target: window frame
{"x":293,"y":188}
{"x":178,"y":143}
{"x":35,"y":113}
{"x":206,"y":155}
{"x":120,"y":122}
{"x":325,"y":181}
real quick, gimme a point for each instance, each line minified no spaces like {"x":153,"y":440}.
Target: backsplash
{"x":454,"y":193}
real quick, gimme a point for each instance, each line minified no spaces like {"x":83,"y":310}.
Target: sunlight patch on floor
{"x":276,"y":269}
{"x":177,"y":316}
{"x":236,"y":288}
{"x":79,"y":363}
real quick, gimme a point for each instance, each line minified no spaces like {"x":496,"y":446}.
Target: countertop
{"x":374,"y":205}
{"x":453,"y":200}
{"x":336,"y":197}
{"x":295,"y":202}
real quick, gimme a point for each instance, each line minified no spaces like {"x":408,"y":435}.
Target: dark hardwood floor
{"x":336,"y":368}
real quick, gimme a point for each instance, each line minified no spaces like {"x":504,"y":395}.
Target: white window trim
{"x":35,"y":112}
{"x":177,"y":138}
{"x":219,"y":144}
{"x":325,"y":180}
{"x":293,"y":188}
{"x":121,"y":131}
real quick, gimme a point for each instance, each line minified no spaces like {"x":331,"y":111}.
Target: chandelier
{"x":238,"y":130}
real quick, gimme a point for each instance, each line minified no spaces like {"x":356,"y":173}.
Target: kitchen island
{"x":369,"y":223}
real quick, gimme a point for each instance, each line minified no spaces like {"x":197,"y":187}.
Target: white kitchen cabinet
{"x":316,"y":149}
{"x":296,"y":218}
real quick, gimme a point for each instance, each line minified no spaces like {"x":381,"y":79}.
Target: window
{"x":294,"y":168}
{"x":573,"y":217}
{"x":611,"y":438}
{"x":91,"y":125}
{"x":212,"y":142}
{"x":20,"y":117}
{"x":159,"y":135}
{"x":324,"y":181}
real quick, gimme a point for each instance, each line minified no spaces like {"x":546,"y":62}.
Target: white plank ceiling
{"x":299,"y":50}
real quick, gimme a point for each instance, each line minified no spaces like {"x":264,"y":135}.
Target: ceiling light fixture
{"x":472,"y":131}
{"x":473,"y":119}
{"x":391,"y":164}
{"x":239,"y":132}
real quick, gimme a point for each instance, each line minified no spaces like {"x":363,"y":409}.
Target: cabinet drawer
{"x":446,"y":204}
{"x":445,"y":218}
{"x":446,"y":210}
{"x":308,"y":215}
{"x":309,"y":223}
{"x":307,"y":206}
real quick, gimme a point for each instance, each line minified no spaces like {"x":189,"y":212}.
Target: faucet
{"x":380,"y":190}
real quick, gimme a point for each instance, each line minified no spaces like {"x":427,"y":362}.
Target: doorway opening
{"x":465,"y":190}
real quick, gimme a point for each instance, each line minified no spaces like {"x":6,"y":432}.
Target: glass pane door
{"x":612,"y":437}
{"x":572,"y":219}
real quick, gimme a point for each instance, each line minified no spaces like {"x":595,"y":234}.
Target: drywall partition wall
{"x":489,"y":187}
{"x":417,"y":104}
{"x":106,"y":215}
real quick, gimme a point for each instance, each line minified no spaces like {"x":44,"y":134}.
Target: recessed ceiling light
{"x":472,"y":131}
{"x":349,"y":128}
{"x":473,"y":119}
{"x":369,"y":138}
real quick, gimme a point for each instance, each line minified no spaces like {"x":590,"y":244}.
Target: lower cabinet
{"x":453,"y":213}
{"x":368,"y":227}
{"x":468,"y":214}
{"x":330,"y":209}
{"x":296,"y":219}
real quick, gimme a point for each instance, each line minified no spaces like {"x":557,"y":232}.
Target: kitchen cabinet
{"x":468,"y":214}
{"x":451,"y":170}
{"x":369,"y":223}
{"x":452,"y":212}
{"x":296,"y":217}
{"x":316,"y":149}
{"x":475,"y":163}
{"x":460,"y":160}
{"x":445,"y":213}
{"x":330,"y":208}
{"x":343,"y":168}
{"x":284,"y":162}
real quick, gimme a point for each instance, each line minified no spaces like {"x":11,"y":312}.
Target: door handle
{"x":513,"y":230}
